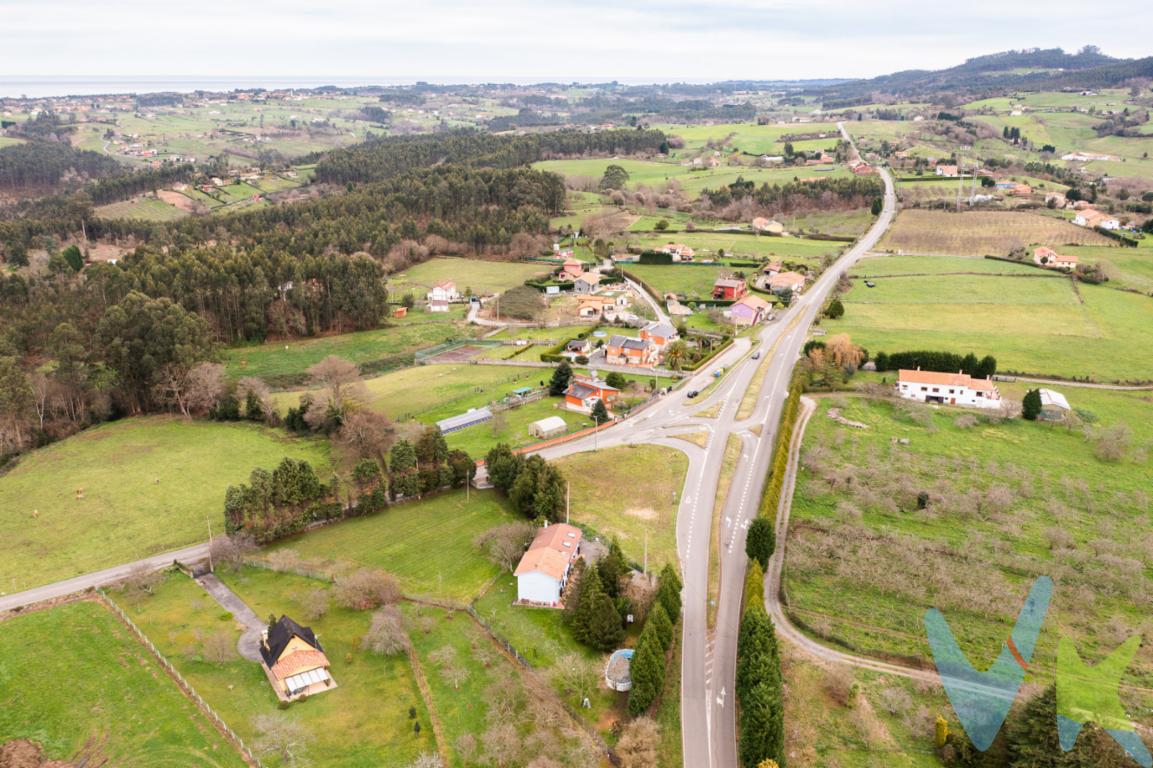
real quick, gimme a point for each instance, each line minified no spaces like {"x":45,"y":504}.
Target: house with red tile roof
{"x":294,"y":661}
{"x":584,"y":391}
{"x":947,"y":389}
{"x":543,"y":571}
{"x":1047,"y":257}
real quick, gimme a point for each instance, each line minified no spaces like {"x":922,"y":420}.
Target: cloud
{"x":528,"y":40}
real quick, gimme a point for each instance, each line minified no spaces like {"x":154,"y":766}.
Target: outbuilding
{"x":553,"y":426}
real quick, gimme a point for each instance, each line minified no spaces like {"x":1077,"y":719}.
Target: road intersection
{"x":708,"y":660}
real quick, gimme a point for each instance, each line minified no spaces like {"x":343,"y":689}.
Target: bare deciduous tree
{"x":369,"y":434}
{"x":505,"y":544}
{"x":284,"y":738}
{"x":341,"y":390}
{"x":260,"y":391}
{"x":315,"y":604}
{"x":230,"y":552}
{"x":447,"y":661}
{"x":219,"y":647}
{"x":427,"y":760}
{"x":367,"y":588}
{"x":387,"y":635}
{"x":141,"y":581}
{"x":639,"y":743}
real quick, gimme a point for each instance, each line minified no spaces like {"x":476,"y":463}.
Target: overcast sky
{"x":532,"y":40}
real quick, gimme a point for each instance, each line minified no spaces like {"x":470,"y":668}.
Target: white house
{"x":1047,"y":257}
{"x":948,"y":389}
{"x":441,"y":295}
{"x":1093,"y":218}
{"x":544,"y":569}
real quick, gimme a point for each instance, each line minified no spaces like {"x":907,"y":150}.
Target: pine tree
{"x":612,"y":569}
{"x":760,"y":541}
{"x":588,"y":591}
{"x":662,"y":625}
{"x":1031,"y":405}
{"x":669,"y":592}
{"x":604,"y":630}
{"x":647,"y":671}
{"x":600,"y":412}
{"x":560,"y":379}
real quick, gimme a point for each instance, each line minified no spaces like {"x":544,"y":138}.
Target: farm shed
{"x":1054,"y":406}
{"x":465,"y":420}
{"x":553,"y":426}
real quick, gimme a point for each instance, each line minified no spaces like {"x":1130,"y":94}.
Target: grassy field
{"x":864,"y":562}
{"x":749,"y":137}
{"x":362,"y":723}
{"x":428,"y":544}
{"x":853,"y":718}
{"x":693,"y":282}
{"x":977,"y":233}
{"x":483,"y":277}
{"x":284,"y":361}
{"x":73,"y":675}
{"x":409,"y":392}
{"x":1125,"y":267}
{"x":744,"y":247}
{"x":882,"y":266}
{"x":145,"y":208}
{"x":148,"y":485}
{"x":1042,"y":325}
{"x":651,"y":478}
{"x":477,"y":691}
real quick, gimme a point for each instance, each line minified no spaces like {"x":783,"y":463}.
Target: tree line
{"x":936,"y":360}
{"x":43,"y":164}
{"x":392,"y":156}
{"x":851,"y":192}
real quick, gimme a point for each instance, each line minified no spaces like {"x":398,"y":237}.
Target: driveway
{"x":249,"y":644}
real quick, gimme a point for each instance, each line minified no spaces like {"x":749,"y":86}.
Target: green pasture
{"x":1043,"y":325}
{"x":429,"y":544}
{"x":75,"y":681}
{"x":126,"y":490}
{"x":361,"y":723}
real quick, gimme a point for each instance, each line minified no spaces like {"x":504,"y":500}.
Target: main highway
{"x":708,"y":655}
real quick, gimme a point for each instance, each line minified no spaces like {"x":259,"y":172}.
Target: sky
{"x":535,"y":40}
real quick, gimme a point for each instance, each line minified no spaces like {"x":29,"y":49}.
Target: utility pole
{"x":567,"y":499}
{"x":208,"y":521}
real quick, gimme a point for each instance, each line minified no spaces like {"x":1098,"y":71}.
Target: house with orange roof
{"x":1094,"y":219}
{"x":948,"y":389}
{"x":750,"y":310}
{"x":949,"y":171}
{"x":679,"y":251}
{"x":1047,"y":257}
{"x":584,"y":391}
{"x":543,"y":571}
{"x":570,"y":269}
{"x":294,"y":661}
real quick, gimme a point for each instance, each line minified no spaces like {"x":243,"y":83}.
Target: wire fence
{"x":185,"y":686}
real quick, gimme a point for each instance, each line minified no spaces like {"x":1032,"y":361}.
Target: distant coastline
{"x":63,"y":85}
{"x":52,"y":86}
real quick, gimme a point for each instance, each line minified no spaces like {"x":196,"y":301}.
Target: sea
{"x":40,"y":87}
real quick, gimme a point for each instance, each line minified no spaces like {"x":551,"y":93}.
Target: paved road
{"x":100,"y":578}
{"x":708,"y":661}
